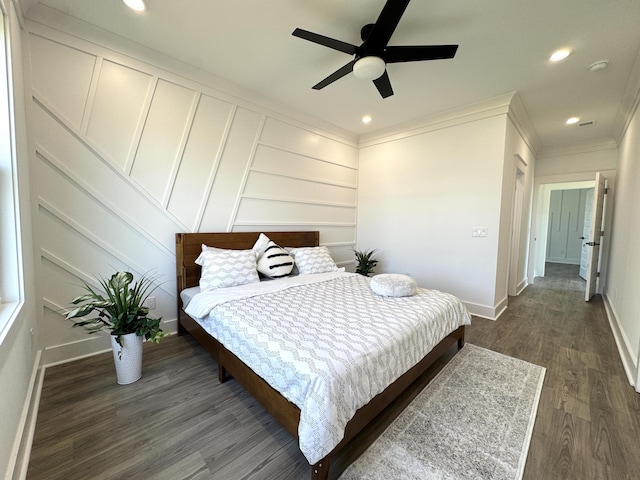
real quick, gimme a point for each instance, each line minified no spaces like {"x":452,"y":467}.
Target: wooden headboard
{"x":189,"y":246}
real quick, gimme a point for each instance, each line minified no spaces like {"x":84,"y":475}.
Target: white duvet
{"x":326,"y":342}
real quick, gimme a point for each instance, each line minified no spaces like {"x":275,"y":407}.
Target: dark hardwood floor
{"x":177,"y":422}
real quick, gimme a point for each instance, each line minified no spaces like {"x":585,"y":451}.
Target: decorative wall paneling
{"x":127,"y":154}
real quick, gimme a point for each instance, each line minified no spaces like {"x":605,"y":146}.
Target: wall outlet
{"x":479,"y":231}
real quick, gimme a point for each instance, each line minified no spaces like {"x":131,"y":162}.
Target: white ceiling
{"x":504,"y":47}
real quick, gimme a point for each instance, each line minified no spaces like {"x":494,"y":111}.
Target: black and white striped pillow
{"x":275,"y":262}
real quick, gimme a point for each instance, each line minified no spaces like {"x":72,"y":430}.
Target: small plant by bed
{"x":365,"y":263}
{"x":124,"y":315}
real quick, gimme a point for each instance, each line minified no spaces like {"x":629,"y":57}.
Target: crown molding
{"x":448,"y":118}
{"x":596,"y":147}
{"x":629,"y":104}
{"x":522,"y":122}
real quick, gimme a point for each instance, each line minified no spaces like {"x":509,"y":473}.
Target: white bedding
{"x":326,"y":342}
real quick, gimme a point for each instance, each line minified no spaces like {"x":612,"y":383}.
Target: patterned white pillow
{"x":393,"y":285}
{"x":313,"y":260}
{"x":226,"y":268}
{"x":275,"y":262}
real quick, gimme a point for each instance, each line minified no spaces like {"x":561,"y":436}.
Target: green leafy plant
{"x":365,"y":263}
{"x":122,"y":311}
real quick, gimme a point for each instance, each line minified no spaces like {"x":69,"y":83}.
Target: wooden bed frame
{"x":188,"y":247}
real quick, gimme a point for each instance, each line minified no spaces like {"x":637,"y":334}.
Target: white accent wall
{"x":127,"y":153}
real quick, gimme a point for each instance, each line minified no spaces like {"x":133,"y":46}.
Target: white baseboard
{"x":68,"y":352}
{"x":22,"y":446}
{"x":484,"y":311}
{"x":628,"y":360}
{"x":522,"y":285}
{"x":88,"y":346}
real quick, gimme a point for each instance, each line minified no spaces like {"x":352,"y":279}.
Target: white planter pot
{"x":129,"y":361}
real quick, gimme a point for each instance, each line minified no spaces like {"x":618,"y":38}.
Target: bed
{"x":290,"y":413}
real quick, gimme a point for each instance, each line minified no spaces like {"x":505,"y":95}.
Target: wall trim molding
{"x":596,"y":147}
{"x":24,"y":439}
{"x":93,"y":239}
{"x":57,"y":26}
{"x":628,"y":361}
{"x":482,"y":311}
{"x":101,"y":156}
{"x":522,"y":285}
{"x":264,"y":144}
{"x":471,"y":113}
{"x":522,"y":123}
{"x":305,"y":178}
{"x":629,"y":104}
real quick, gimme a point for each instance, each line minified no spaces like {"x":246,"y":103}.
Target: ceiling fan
{"x":371,"y":57}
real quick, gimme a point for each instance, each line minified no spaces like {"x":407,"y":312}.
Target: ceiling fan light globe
{"x":369,"y":68}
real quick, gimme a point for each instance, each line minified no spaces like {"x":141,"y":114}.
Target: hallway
{"x":561,"y":276}
{"x":588,"y":423}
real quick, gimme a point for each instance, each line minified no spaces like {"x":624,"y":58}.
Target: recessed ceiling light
{"x":137,"y":5}
{"x":560,"y":55}
{"x":572,"y":120}
{"x":367,"y":119}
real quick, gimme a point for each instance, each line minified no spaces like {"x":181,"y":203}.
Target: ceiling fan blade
{"x":325,"y":41}
{"x":383,"y":84}
{"x":415,"y":53}
{"x":338,"y":74}
{"x":386,"y":23}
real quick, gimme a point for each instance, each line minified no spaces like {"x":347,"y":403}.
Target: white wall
{"x":623,"y":278}
{"x":18,"y":348}
{"x":421,"y":191}
{"x":131,"y":150}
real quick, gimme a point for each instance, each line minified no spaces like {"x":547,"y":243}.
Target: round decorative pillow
{"x":393,"y":285}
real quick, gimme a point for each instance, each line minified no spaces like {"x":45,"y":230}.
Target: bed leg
{"x":181,"y":330}
{"x":222,"y":373}
{"x":320,"y":471}
{"x":461,"y":341}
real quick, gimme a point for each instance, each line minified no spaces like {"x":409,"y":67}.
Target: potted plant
{"x":365,"y":263}
{"x":123,"y":313}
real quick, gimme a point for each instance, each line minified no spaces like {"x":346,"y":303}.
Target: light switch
{"x":479,"y":232}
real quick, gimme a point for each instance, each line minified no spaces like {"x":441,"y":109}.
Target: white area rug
{"x":472,"y":421}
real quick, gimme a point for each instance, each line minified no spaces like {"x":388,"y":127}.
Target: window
{"x":10,"y":254}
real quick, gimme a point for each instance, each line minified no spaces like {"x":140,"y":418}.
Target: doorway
{"x":569,"y":227}
{"x":540,"y":235}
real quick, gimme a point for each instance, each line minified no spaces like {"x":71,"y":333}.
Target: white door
{"x":595,"y":235}
{"x":586,"y":231}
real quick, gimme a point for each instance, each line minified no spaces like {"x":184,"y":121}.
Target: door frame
{"x":540,"y":218}
{"x":513,"y":289}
